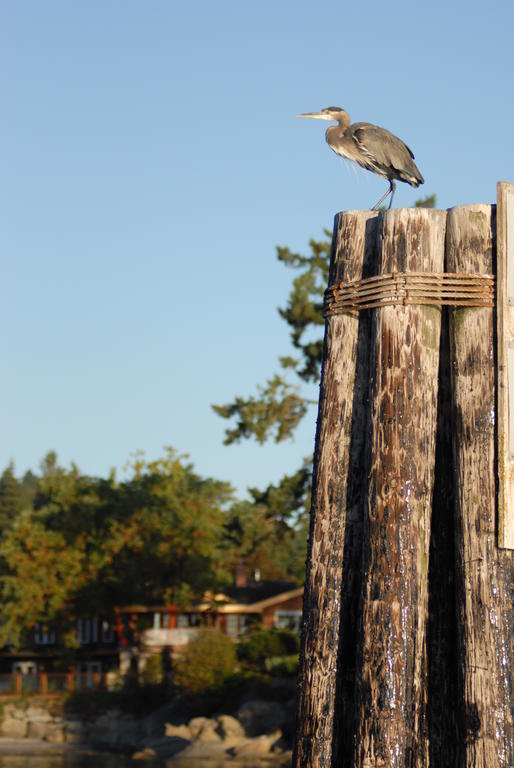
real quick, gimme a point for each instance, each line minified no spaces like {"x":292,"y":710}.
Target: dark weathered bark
{"x":337,"y":496}
{"x":405,"y":357}
{"x":441,"y":690}
{"x":484,"y":573}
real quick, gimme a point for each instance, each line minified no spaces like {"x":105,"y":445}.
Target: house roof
{"x":252,"y":598}
{"x":256,"y":591}
{"x":260,"y":605}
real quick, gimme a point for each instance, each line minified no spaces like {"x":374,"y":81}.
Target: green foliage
{"x":87,"y":544}
{"x":207,"y":662}
{"x":277,"y":410}
{"x":279,"y":406}
{"x":269,"y":532}
{"x":133,"y":698}
{"x":426,"y":202}
{"x":15,"y":496}
{"x":283,"y":666}
{"x":153,"y":673}
{"x":303,"y":312}
{"x":257,"y":649}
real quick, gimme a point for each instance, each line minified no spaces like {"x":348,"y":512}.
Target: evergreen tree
{"x":279,"y":406}
{"x":12,"y":498}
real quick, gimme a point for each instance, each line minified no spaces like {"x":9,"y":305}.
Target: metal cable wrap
{"x":429,"y":288}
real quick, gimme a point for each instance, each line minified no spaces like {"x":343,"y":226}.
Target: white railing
{"x":168,"y":637}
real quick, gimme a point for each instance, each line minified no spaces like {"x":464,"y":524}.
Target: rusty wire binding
{"x":429,"y":288}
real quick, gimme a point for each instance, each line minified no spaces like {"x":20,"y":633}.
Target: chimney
{"x":240,"y":574}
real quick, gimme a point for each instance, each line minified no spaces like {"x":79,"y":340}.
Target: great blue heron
{"x":372,"y":147}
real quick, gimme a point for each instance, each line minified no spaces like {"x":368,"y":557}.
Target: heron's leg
{"x":390,"y":191}
{"x":393,"y":188}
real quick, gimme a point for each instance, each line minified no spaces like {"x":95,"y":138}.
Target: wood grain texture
{"x":505,"y":334}
{"x":404,"y":369}
{"x":337,"y":498}
{"x":484,"y":573}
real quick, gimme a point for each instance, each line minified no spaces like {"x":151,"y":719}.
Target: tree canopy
{"x":75,"y":545}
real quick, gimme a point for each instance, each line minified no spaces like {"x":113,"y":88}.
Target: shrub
{"x":264,"y":644}
{"x":153,"y":673}
{"x":286,"y":666}
{"x":207,"y":662}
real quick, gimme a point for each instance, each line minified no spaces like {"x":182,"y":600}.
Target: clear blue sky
{"x":151,"y":161}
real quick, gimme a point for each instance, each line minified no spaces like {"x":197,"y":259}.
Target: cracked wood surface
{"x":337,"y":495}
{"x":405,"y":362}
{"x":484,"y":572}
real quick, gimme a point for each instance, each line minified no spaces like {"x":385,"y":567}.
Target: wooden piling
{"x":484,"y":572}
{"x":407,"y":638}
{"x":404,"y":370}
{"x":337,"y":495}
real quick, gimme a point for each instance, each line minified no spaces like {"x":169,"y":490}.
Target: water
{"x":76,"y":759}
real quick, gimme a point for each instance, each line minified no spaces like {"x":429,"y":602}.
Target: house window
{"x":24,"y":668}
{"x":107,"y":632}
{"x":84,"y":631}
{"x":232,"y":624}
{"x":43,"y":637}
{"x":289,"y":620}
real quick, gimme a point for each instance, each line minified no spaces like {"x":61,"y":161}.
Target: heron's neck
{"x":335,"y":132}
{"x":344,"y":122}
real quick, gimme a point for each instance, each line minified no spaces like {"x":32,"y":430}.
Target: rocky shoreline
{"x":254,"y":735}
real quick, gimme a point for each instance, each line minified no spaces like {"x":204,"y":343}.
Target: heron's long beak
{"x":316,"y":115}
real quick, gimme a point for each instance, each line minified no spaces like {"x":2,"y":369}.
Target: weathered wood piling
{"x":402,"y":621}
{"x":483,"y":571}
{"x":336,"y":503}
{"x":405,"y":363}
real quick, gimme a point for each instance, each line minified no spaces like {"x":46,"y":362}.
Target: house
{"x":265,"y":603}
{"x":137,"y":632}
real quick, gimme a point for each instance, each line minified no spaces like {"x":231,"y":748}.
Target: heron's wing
{"x":381,"y":146}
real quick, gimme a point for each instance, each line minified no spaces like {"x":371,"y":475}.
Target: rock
{"x":75,"y":732}
{"x":37,"y":731}
{"x":199,"y":750}
{"x":167,"y":746}
{"x":107,"y":720}
{"x":75,"y":726}
{"x":103,"y":736}
{"x":199,"y":725}
{"x":128,"y":735}
{"x":209,"y":734}
{"x":114,"y":714}
{"x":14,"y":728}
{"x":181,"y":731}
{"x":54,"y":733}
{"x":229,"y":727}
{"x":145,"y":754}
{"x":38,"y":715}
{"x":260,"y":745}
{"x":14,"y":712}
{"x":259,"y":716}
